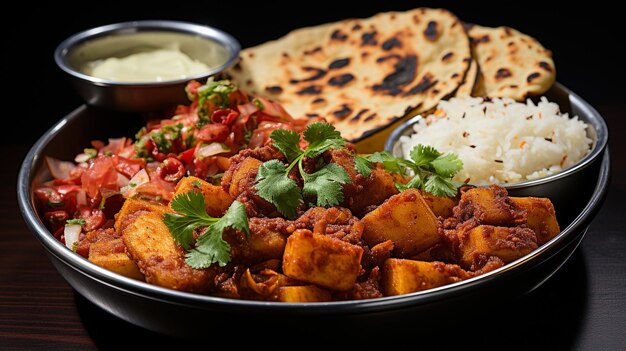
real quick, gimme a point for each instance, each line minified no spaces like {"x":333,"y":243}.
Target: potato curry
{"x":299,"y":216}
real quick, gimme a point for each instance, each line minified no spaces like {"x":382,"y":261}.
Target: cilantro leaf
{"x":390,"y":163}
{"x":235,"y":218}
{"x":447,"y":165}
{"x":320,"y":131}
{"x":74,"y":221}
{"x":440,"y":186}
{"x":322,"y":137}
{"x":415,"y":182}
{"x":381,"y":157}
{"x":193,"y":215}
{"x":432,"y":171}
{"x":286,"y":141}
{"x":363,"y":165}
{"x":210,"y":246}
{"x":422,"y":155}
{"x":326,"y":184}
{"x":274,"y":185}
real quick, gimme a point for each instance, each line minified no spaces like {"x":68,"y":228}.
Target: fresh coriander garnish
{"x":74,"y":221}
{"x":363,"y":165}
{"x":324,"y":185}
{"x":162,"y":138}
{"x":432,"y":170}
{"x":210,"y":247}
{"x":258,"y":104}
{"x":215,"y":92}
{"x":91,"y":152}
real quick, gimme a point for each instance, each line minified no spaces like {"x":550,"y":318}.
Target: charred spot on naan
{"x":274,"y":89}
{"x":316,"y":73}
{"x":339,"y":63}
{"x":341,"y":80}
{"x":403,"y":73}
{"x":431,"y":32}
{"x":391,"y":43}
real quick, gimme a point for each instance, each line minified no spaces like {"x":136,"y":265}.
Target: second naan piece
{"x":512,"y":64}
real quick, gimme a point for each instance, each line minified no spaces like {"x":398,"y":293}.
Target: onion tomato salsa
{"x":233,"y":197}
{"x":197,"y":141}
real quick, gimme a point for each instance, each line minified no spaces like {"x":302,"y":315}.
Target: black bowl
{"x":192,"y":315}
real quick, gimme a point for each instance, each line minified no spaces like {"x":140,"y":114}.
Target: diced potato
{"x":133,"y":205}
{"x":264,"y":242}
{"x":506,"y":243}
{"x":362,"y":192}
{"x":440,"y":205}
{"x":150,"y":244}
{"x":216,"y":200}
{"x":404,"y":219}
{"x":111,"y":255}
{"x":322,"y":260}
{"x":402,"y":276}
{"x":267,"y":244}
{"x":378,"y":187}
{"x":309,"y":293}
{"x":541,"y":217}
{"x":491,"y":206}
{"x":243,"y":169}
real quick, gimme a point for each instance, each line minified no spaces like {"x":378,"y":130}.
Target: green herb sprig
{"x":210,"y":247}
{"x":324,"y":185}
{"x":218,"y":93}
{"x":76,"y":221}
{"x":432,"y":171}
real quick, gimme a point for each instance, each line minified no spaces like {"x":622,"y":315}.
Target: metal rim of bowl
{"x":226,"y":40}
{"x":153,"y":292}
{"x":596,"y":121}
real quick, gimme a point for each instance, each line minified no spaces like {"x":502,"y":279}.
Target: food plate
{"x":185,"y":314}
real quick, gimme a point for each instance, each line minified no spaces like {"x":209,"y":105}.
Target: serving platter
{"x":185,"y":314}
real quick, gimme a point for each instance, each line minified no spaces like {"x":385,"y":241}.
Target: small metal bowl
{"x":211,"y":46}
{"x":562,"y":187}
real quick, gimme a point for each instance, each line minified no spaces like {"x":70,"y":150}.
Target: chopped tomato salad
{"x":197,"y":140}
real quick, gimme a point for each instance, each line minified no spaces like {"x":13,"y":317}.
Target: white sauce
{"x":150,"y":66}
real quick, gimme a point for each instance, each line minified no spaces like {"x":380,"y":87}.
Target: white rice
{"x":502,"y":141}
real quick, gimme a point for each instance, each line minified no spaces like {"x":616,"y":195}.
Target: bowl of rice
{"x":549,"y":146}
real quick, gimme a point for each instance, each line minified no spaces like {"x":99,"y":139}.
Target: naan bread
{"x":468,"y":86}
{"x":512,"y":64}
{"x":361,"y":74}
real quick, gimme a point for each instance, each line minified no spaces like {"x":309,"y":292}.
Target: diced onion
{"x":59,"y":169}
{"x":80,"y":158}
{"x":211,"y":150}
{"x":139,"y":178}
{"x":71,"y":233}
{"x":122,"y":181}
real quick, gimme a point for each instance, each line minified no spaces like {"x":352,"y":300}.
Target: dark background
{"x":587,"y":41}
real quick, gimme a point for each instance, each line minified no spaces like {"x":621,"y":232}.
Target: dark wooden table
{"x":583,"y":306}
